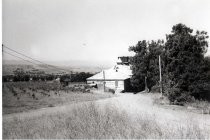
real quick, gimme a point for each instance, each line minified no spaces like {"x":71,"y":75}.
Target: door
{"x":116,"y":84}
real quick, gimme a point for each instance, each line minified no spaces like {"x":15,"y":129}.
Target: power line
{"x":19,"y":57}
{"x":23,"y":54}
{"x":33,"y":58}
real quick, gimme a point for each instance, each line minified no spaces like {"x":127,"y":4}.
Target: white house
{"x":117,"y":77}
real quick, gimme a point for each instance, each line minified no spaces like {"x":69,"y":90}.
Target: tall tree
{"x":185,"y":64}
{"x":145,"y":64}
{"x":155,"y":48}
{"x":139,"y":65}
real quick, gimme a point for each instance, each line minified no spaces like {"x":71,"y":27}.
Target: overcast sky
{"x":99,"y":30}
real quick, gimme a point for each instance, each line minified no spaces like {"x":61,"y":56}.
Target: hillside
{"x":9,"y":66}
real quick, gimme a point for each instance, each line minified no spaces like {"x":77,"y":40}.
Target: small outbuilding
{"x":116,"y":78}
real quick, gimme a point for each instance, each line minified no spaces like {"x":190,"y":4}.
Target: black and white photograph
{"x":105,"y":69}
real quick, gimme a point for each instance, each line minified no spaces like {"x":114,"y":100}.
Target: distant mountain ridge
{"x":10,"y":65}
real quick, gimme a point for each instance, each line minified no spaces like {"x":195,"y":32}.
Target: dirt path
{"x":134,"y":105}
{"x":142,"y":104}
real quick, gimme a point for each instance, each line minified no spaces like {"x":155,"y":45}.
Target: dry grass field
{"x":89,"y":121}
{"x":124,"y":116}
{"x":26,"y":96}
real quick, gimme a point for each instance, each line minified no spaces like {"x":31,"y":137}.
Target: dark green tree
{"x":155,"y":48}
{"x":185,"y":65}
{"x":145,"y":64}
{"x":139,"y":65}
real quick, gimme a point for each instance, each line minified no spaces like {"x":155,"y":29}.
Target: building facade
{"x":116,"y":78}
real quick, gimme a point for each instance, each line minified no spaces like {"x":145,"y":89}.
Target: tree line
{"x":185,"y":69}
{"x":21,"y":75}
{"x":77,"y":77}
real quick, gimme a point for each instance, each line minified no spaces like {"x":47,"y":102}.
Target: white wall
{"x":109,"y":84}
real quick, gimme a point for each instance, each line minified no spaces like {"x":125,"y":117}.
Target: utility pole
{"x":145,"y":81}
{"x":161,"y":88}
{"x":104,"y":79}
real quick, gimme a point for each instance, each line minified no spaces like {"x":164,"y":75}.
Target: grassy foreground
{"x":94,"y":121}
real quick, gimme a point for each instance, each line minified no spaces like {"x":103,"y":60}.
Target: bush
{"x":178,"y":97}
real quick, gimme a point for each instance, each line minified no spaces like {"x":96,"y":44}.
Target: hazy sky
{"x":100,"y":30}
